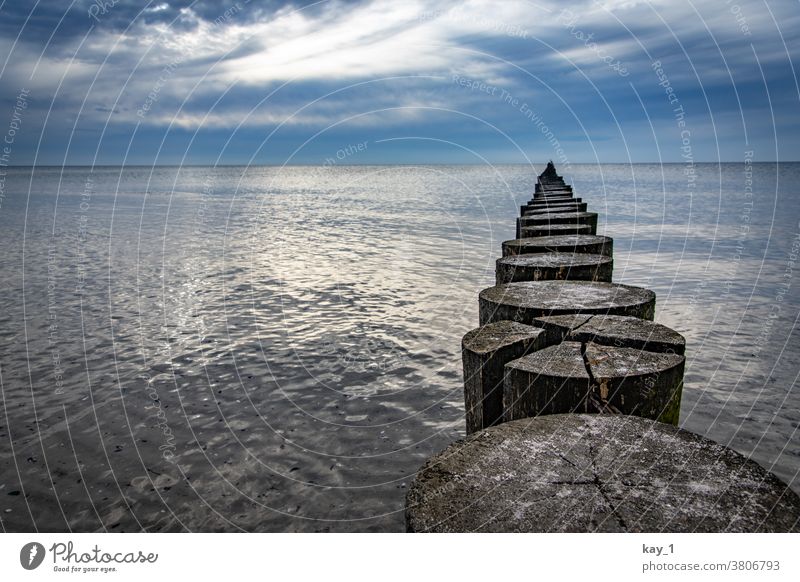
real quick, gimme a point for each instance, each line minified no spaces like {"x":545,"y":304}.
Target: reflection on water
{"x":279,"y":349}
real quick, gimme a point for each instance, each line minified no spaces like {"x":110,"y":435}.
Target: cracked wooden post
{"x":554,"y":266}
{"x":485,"y":351}
{"x":590,"y":377}
{"x":615,"y":330}
{"x":596,"y":473}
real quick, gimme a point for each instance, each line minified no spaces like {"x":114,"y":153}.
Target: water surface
{"x":278,"y":349}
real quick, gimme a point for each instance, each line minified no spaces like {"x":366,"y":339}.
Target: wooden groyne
{"x":572,"y":396}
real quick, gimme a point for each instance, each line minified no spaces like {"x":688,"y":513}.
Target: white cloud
{"x":157,"y":8}
{"x":340,"y":44}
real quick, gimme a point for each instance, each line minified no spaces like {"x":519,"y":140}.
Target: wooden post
{"x":525,"y":301}
{"x":485,"y":351}
{"x":596,"y":473}
{"x":554,"y":266}
{"x":576,"y":377}
{"x":582,"y":243}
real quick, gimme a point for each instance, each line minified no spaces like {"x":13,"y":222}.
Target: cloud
{"x":308,"y":65}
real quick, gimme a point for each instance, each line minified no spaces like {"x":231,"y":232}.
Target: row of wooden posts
{"x":572,"y":396}
{"x":557,"y":336}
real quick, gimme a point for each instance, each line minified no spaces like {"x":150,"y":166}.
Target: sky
{"x":398,"y":82}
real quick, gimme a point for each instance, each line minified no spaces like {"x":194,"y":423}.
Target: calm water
{"x":279,"y":349}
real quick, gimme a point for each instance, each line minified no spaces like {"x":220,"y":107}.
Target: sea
{"x":278,"y":348}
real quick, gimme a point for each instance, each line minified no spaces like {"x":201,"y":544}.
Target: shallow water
{"x":276,"y":349}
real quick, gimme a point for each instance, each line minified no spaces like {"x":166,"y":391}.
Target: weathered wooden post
{"x":548,"y":209}
{"x":590,"y":377}
{"x":551,"y":219}
{"x":615,"y":330}
{"x":555,"y":230}
{"x":527,"y":300}
{"x":589,"y":218}
{"x":582,"y":243}
{"x":596,"y":473}
{"x":485,"y":351}
{"x":554,"y":266}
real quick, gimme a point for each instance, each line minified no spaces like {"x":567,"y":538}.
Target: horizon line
{"x":323,"y":165}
